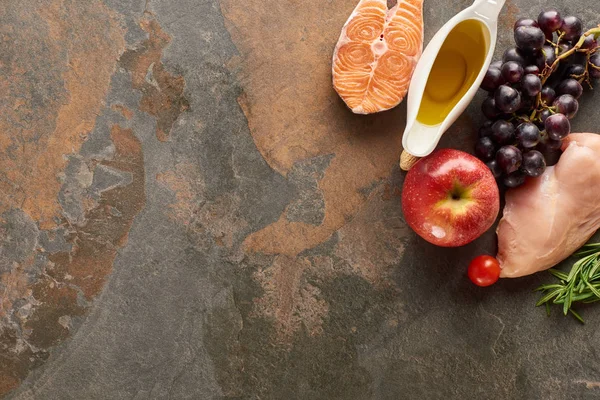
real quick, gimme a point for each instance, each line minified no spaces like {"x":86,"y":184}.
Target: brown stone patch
{"x":35,"y":322}
{"x":39,"y":297}
{"x":95,"y":244}
{"x":217,"y":220}
{"x":293,"y":112}
{"x":509,"y":16}
{"x":373,"y":242}
{"x":289,"y":300}
{"x":370,"y":246}
{"x":50,"y":106}
{"x":14,"y":283}
{"x":220,"y":218}
{"x":42,"y":305}
{"x":13,"y":366}
{"x":390,"y":192}
{"x":124,"y":111}
{"x":162,"y":92}
{"x":55,"y":70}
{"x":55,"y":301}
{"x":188,"y":186}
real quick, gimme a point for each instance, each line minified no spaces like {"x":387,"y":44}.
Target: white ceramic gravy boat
{"x":420,"y":139}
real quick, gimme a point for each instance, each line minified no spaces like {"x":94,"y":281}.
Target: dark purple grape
{"x":575,"y":70}
{"x":496,"y":64}
{"x":550,"y":20}
{"x":572,"y":27}
{"x":589,"y":43}
{"x":553,"y":144}
{"x":485,"y":149}
{"x":532,"y":69}
{"x":529,"y":38}
{"x":531,"y":84}
{"x":538,"y":59}
{"x":557,"y":126}
{"x":576,"y":58}
{"x":548,"y":145}
{"x":545,"y":114}
{"x":509,"y":159}
{"x":552,"y":157}
{"x":528,"y":135}
{"x":567,"y":105}
{"x":486,"y":129}
{"x":549,"y":55}
{"x":548,"y":95}
{"x":513,"y":54}
{"x":508,"y":100}
{"x":550,"y":149}
{"x":488,"y":108}
{"x":503,"y":132}
{"x":549,"y":36}
{"x":563,"y":47}
{"x":526,"y":22}
{"x":514,"y":180}
{"x":533,"y":163}
{"x":493,"y":78}
{"x":527,"y":103}
{"x":493,"y":166}
{"x":539,"y":124}
{"x":512,"y":72}
{"x":570,"y":86}
{"x":594,"y":67}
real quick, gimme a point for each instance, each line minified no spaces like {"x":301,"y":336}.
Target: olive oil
{"x":456,"y":67}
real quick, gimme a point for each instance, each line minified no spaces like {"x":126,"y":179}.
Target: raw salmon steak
{"x":376,"y":54}
{"x":550,"y":217}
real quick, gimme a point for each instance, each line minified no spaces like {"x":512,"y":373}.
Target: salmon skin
{"x":376,"y":54}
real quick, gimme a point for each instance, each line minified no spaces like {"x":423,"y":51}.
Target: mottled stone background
{"x":188,"y":210}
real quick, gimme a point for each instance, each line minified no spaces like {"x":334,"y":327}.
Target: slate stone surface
{"x":188,"y":211}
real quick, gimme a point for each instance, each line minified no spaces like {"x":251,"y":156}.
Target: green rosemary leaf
{"x":576,"y":315}
{"x":548,"y":297}
{"x":584,"y":296}
{"x":559,"y":274}
{"x":588,"y":249}
{"x":580,"y":285}
{"x":567,"y":303}
{"x":592,"y":300}
{"x":575,"y":270}
{"x":584,"y":253}
{"x":593,"y":289}
{"x":548,"y":287}
{"x":594,"y":269}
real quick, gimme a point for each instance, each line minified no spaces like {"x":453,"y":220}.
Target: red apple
{"x":450,"y":198}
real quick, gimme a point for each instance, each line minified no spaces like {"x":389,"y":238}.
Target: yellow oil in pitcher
{"x":456,"y":67}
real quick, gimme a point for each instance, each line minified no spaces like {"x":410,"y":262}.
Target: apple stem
{"x":407,"y":160}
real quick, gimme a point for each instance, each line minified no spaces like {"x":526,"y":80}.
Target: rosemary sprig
{"x":581,"y":284}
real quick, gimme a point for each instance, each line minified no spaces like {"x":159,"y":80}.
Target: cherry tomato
{"x":484,"y":270}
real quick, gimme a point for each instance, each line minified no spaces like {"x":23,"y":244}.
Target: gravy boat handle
{"x":488,"y":9}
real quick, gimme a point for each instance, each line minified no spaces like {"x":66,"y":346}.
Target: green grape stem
{"x":548,"y":70}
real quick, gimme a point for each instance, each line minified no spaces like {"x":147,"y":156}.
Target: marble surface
{"x":188,"y":210}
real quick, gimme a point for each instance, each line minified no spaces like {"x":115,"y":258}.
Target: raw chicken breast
{"x":549,"y":218}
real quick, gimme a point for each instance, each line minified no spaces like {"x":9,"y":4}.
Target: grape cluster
{"x":532,"y":95}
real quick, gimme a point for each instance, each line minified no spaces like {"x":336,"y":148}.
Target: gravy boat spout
{"x":442,"y":87}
